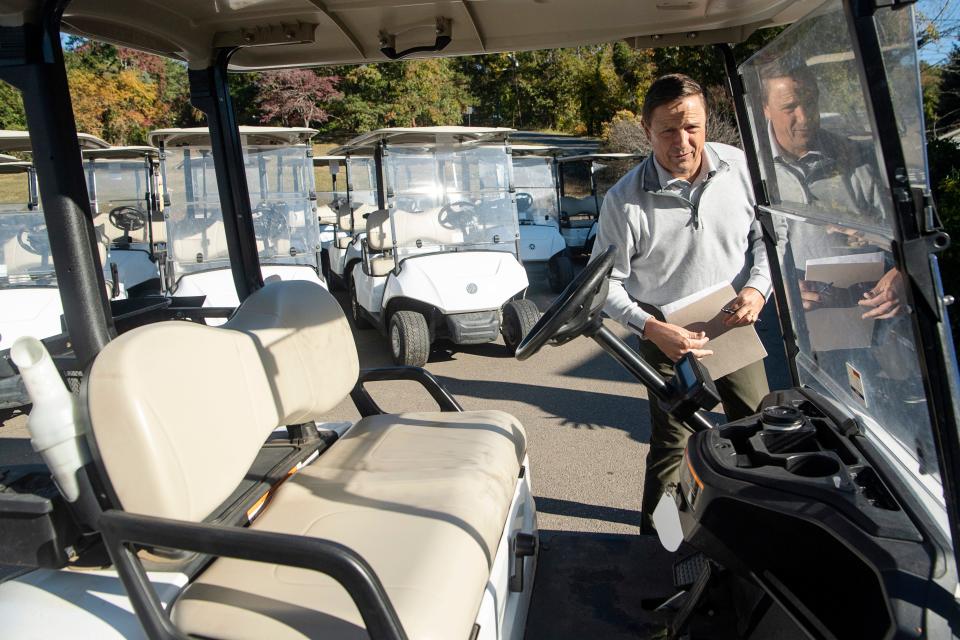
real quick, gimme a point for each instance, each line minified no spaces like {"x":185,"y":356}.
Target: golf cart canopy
{"x":252,"y":136}
{"x":13,"y":140}
{"x":422,"y":136}
{"x":122,"y":153}
{"x":287,"y":33}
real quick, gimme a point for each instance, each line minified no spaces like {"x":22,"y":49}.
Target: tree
{"x":12,"y":115}
{"x":296,"y":97}
{"x":948,"y":101}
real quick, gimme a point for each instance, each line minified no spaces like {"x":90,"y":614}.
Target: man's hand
{"x":675,"y":341}
{"x":886,"y":299}
{"x":810,"y":294}
{"x":746,"y":308}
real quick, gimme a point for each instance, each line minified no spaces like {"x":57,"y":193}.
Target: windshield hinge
{"x":917,"y":254}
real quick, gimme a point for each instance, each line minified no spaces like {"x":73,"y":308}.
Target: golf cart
{"x":279,"y":172}
{"x":535,"y":182}
{"x":353,"y":200}
{"x":124,"y":187}
{"x":330,"y":193}
{"x":391,"y":529}
{"x":440,"y":256}
{"x":583,"y":181}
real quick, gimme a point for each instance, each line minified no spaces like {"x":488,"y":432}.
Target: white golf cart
{"x":440,"y":256}
{"x":125,"y":196}
{"x":352,"y":199}
{"x":831,"y":514}
{"x":583,"y":181}
{"x":535,"y":182}
{"x":330,"y":186}
{"x":279,"y":172}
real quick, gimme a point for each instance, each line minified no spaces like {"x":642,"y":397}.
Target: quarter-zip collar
{"x":650,"y":179}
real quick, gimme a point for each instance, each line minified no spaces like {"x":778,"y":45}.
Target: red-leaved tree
{"x":296,"y":97}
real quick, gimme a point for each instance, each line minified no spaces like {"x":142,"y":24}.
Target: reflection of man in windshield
{"x":817,"y":167}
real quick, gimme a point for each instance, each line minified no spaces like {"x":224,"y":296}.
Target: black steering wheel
{"x":127,"y":218}
{"x":575,"y":311}
{"x":457,"y":215}
{"x":524,"y":201}
{"x":270,"y":221}
{"x":34,"y":239}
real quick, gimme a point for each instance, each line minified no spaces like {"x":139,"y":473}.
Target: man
{"x":683,"y":221}
{"x":816,"y":167}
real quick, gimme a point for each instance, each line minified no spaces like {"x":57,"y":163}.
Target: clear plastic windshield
{"x":120,"y":191}
{"x":24,"y":246}
{"x":330,"y":180}
{"x":834,"y":221}
{"x":578,"y":205}
{"x":451,"y":198}
{"x":280,"y":182}
{"x":536,"y":190}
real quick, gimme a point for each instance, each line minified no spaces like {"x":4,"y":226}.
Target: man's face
{"x":793,"y":113}
{"x":677,"y":131}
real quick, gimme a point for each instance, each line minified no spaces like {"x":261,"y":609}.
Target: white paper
{"x":669,"y":309}
{"x":666,"y":518}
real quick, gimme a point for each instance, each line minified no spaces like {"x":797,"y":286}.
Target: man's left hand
{"x":746,"y":308}
{"x":886,"y":299}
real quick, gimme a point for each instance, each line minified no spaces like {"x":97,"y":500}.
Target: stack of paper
{"x":831,"y":327}
{"x":733,"y":347}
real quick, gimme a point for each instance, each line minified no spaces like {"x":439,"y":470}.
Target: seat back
{"x":178,"y":411}
{"x":424,"y":226}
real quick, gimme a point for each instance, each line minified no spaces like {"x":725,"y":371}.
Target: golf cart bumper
{"x":476,"y":327}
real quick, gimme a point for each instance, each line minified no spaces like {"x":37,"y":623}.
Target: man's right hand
{"x":675,"y":341}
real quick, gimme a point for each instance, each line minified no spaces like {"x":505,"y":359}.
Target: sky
{"x":947,"y":15}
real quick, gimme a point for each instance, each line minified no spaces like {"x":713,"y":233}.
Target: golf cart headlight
{"x":690,"y":484}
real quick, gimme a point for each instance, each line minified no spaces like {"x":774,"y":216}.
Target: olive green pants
{"x":740,"y":393}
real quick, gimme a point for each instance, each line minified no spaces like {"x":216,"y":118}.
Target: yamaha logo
{"x":532,"y":246}
{"x":471,"y":288}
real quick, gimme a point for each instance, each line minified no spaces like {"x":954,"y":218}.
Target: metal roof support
{"x":210,"y":93}
{"x":31,"y":59}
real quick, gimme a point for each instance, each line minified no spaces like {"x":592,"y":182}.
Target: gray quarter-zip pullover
{"x":668,"y":247}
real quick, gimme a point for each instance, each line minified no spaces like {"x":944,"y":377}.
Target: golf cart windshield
{"x":533,"y":179}
{"x":330,"y":182}
{"x":363,"y":182}
{"x":834,"y":219}
{"x":24,"y":246}
{"x":280,"y":182}
{"x":451,"y":197}
{"x":113,"y":184}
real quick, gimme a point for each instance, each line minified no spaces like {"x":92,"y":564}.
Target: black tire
{"x":356,"y":313}
{"x":519,"y":316}
{"x":409,"y":338}
{"x":559,"y":272}
{"x":325,"y":269}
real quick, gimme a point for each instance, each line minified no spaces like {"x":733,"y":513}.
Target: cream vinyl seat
{"x":423,"y":497}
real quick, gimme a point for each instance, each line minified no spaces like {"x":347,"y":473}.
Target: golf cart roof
{"x":200,"y":136}
{"x":121,"y":153}
{"x":289,"y":33}
{"x":600,"y":156}
{"x":523,"y":149}
{"x":7,"y":158}
{"x":318,"y":160}
{"x":14,"y":166}
{"x":424,"y":135}
{"x":12,"y":140}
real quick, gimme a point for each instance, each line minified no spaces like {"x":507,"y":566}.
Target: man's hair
{"x":670,"y":88}
{"x":781,"y":68}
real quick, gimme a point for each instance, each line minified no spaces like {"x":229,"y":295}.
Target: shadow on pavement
{"x":560,"y":507}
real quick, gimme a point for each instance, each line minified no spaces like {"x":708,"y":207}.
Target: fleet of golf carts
{"x":535,"y":183}
{"x":583,"y":181}
{"x":195,"y":494}
{"x":279,"y":172}
{"x":440,"y":258}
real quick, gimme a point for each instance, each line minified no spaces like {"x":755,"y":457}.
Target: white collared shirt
{"x":689,"y":190}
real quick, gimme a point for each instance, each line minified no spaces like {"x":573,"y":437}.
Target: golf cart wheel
{"x":519,"y":317}
{"x":409,"y":338}
{"x":356,"y":313}
{"x":559,"y":272}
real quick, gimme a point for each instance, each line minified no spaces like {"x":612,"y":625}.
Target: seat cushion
{"x":423,"y":497}
{"x":381,"y":266}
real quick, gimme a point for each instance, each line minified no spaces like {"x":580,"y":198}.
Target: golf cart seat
{"x":213,"y":246}
{"x":422,"y":497}
{"x":422,"y":228}
{"x":346,"y":222}
{"x":572,"y":206}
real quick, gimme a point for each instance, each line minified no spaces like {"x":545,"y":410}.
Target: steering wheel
{"x":457,"y":215}
{"x":270,"y":220}
{"x":127,"y":218}
{"x":575,"y":311}
{"x":33,"y":239}
{"x":524,"y":201}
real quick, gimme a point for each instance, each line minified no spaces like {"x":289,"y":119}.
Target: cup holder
{"x":813,"y":466}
